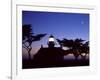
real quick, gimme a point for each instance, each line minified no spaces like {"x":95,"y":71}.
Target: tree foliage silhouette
{"x":28,"y":38}
{"x":77,"y":46}
{"x":85,"y":50}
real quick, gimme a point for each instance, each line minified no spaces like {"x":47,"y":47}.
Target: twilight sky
{"x":61,"y":25}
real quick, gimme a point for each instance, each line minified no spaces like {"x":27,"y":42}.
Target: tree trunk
{"x":76,"y":54}
{"x":29,"y":53}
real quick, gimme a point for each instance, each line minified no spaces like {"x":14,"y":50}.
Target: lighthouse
{"x":51,"y":41}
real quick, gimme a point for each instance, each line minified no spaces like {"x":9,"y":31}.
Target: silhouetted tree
{"x":74,"y":46}
{"x":60,"y":42}
{"x":77,"y":47}
{"x":28,"y":38}
{"x":68,"y":43}
{"x":85,"y":50}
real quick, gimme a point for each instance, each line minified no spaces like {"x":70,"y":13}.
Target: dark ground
{"x":31,"y":64}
